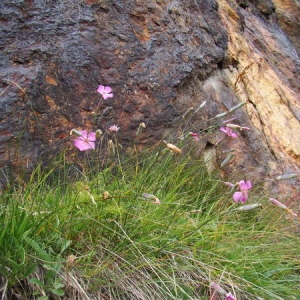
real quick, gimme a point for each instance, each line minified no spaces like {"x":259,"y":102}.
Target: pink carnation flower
{"x":114,"y":128}
{"x":229,"y":296}
{"x":195,"y":136}
{"x":221,"y":291}
{"x":228,"y":131}
{"x":105,"y":91}
{"x":86,"y":141}
{"x":242,"y":196}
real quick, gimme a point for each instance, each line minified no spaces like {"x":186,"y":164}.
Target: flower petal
{"x":245,"y":185}
{"x":237,"y":196}
{"x":106,"y":96}
{"x":248,"y":185}
{"x":233,"y":135}
{"x":240,"y":196}
{"x":229,"y":296}
{"x":91,"y":136}
{"x":101,"y":89}
{"x":83,"y":145}
{"x":84,"y":134}
{"x":85,"y":141}
{"x":107,"y":89}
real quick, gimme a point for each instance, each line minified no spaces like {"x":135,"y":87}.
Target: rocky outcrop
{"x":263,"y":70}
{"x":54,"y":57}
{"x":266,"y":77}
{"x":161,"y":57}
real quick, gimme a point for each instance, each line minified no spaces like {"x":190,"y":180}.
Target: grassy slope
{"x":128,"y":247}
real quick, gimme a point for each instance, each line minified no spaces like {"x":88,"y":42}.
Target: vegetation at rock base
{"x":144,"y":224}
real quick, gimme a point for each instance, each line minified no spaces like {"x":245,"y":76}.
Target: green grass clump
{"x":149,"y":225}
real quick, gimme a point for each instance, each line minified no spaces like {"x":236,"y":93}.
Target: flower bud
{"x":220,"y":115}
{"x":111,"y":148}
{"x":202,"y":104}
{"x":228,"y":158}
{"x":98,"y":133}
{"x":172,"y":147}
{"x":106,"y":195}
{"x":71,"y":260}
{"x":188,"y":112}
{"x":281,"y":205}
{"x":236,"y":107}
{"x":140,"y":128}
{"x":235,"y":126}
{"x":249,"y":207}
{"x":150,"y":196}
{"x":75,"y":132}
{"x":286,"y":176}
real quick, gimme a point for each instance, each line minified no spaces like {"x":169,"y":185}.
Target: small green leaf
{"x":65,"y":245}
{"x":58,"y":292}
{"x":29,"y":271}
{"x":58,"y":284}
{"x":37,"y":282}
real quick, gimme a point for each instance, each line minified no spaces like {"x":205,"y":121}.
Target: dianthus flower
{"x":114,"y":128}
{"x":85,"y":141}
{"x":221,"y":291}
{"x":229,"y":296}
{"x":242,"y":196}
{"x":105,"y":91}
{"x":195,"y":136}
{"x":228,"y":131}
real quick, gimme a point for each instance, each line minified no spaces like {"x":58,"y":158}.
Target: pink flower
{"x":105,"y":91}
{"x":242,"y":196}
{"x":221,"y":291}
{"x":229,"y":132}
{"x":281,"y":205}
{"x":229,"y":296}
{"x":114,"y":128}
{"x":86,"y":141}
{"x":195,"y":136}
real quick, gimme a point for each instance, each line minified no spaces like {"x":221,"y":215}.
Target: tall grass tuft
{"x":148,"y":225}
{"x":151,"y":224}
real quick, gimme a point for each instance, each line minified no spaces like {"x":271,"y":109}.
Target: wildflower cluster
{"x":84,"y":141}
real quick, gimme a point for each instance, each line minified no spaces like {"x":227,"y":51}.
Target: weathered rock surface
{"x":267,"y":78}
{"x":161,"y":57}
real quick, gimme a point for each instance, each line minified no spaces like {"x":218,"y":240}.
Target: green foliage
{"x":14,"y":227}
{"x":130,"y":246}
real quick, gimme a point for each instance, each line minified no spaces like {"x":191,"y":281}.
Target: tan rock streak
{"x":265,"y":76}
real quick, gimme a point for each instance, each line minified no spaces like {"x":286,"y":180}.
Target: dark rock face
{"x":54,"y":54}
{"x":160,"y":57}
